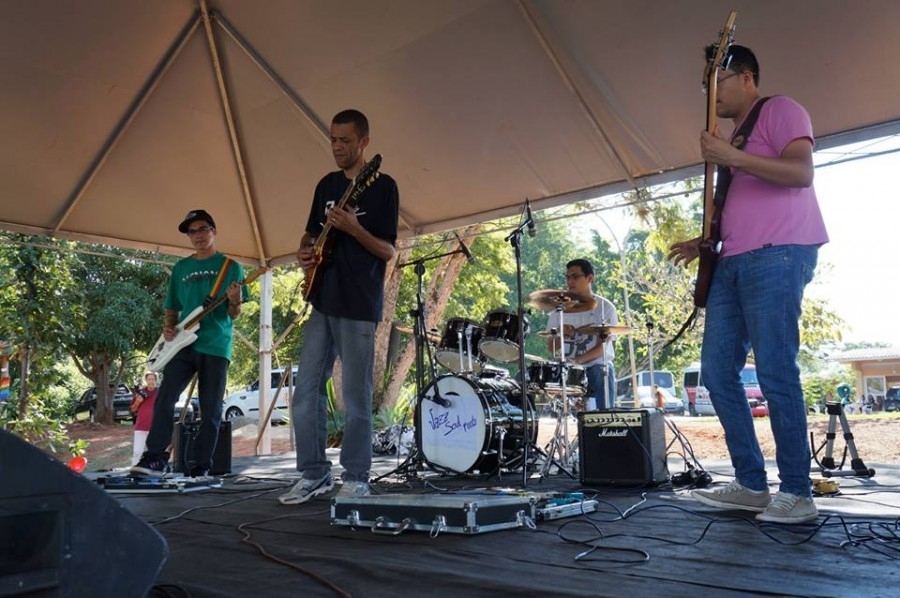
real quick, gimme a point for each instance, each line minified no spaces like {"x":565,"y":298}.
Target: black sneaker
{"x":151,"y":466}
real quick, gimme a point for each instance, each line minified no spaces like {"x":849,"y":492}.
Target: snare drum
{"x":483,"y":421}
{"x":547,"y":376}
{"x":460,"y":339}
{"x":501,"y":334}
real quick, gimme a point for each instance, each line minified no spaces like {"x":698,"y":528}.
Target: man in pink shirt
{"x":771,"y":231}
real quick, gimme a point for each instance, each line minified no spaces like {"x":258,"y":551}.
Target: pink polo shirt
{"x":759,"y":214}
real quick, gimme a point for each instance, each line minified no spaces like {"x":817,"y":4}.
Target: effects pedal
{"x":692,"y":477}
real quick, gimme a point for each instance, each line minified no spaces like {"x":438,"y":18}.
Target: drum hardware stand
{"x":514,"y":238}
{"x":560,"y":442}
{"x":413,"y":462}
{"x":826,"y":465}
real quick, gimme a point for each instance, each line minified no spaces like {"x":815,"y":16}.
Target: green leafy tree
{"x":112,"y":314}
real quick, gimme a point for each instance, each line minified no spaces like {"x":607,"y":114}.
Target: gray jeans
{"x":324,"y":339}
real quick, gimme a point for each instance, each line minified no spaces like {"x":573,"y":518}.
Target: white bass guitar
{"x":186,"y":331}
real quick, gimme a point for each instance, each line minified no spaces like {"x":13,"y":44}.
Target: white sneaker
{"x":789,"y":508}
{"x":353,"y":490}
{"x":306,"y":489}
{"x":733,"y":496}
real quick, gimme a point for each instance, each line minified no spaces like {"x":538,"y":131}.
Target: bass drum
{"x":483,"y":421}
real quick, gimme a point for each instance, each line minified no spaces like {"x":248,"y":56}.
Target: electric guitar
{"x":186,"y":331}
{"x":710,"y":243}
{"x":324,"y":244}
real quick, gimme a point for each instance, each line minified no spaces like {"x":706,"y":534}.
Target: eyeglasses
{"x":199,"y":231}
{"x":574,"y":276}
{"x":705,"y":87}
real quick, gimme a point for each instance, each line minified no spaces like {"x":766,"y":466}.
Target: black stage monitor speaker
{"x":186,"y":432}
{"x":62,"y":535}
{"x":622,"y":447}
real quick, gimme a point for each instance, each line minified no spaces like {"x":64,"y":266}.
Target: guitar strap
{"x":218,"y":285}
{"x":723,"y":181}
{"x":738,"y":140}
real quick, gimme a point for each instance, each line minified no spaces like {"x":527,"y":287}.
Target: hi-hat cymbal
{"x":550,"y":299}
{"x":602,"y":331}
{"x":432,"y":336}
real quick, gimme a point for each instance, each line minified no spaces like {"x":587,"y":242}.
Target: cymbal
{"x":550,"y":299}
{"x":432,"y":336}
{"x":602,"y":331}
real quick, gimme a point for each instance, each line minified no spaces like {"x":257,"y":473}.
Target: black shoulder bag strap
{"x":723,"y":181}
{"x":738,"y":140}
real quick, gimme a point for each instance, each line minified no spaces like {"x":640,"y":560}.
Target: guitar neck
{"x":222,"y":298}
{"x":319,"y":245}
{"x":712,"y":82}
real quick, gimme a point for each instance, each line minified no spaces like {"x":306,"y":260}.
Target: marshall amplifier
{"x":186,"y":432}
{"x":622,"y":447}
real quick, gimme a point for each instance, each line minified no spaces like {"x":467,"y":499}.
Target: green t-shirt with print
{"x":190,"y":284}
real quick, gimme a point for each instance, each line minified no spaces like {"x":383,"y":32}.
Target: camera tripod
{"x":826,"y":465}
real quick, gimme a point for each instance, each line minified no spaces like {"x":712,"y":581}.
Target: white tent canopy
{"x":118,"y":116}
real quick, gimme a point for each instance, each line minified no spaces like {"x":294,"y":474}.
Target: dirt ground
{"x":877,"y":438}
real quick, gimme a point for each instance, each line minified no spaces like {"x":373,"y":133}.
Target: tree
{"x":36,"y":274}
{"x":112,"y":312}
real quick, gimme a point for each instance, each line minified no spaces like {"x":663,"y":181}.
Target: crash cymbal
{"x":432,"y":336}
{"x":533,"y":358}
{"x":550,"y":299}
{"x":602,"y":331}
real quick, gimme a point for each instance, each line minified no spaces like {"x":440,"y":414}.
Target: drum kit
{"x":475,"y":417}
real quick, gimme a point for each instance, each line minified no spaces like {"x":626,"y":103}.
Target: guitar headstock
{"x":716,"y":57}
{"x":254,"y":275}
{"x":366,"y":177}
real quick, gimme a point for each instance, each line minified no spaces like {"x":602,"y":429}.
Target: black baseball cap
{"x":194,"y":216}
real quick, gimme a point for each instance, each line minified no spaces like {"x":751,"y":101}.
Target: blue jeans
{"x":324,"y":339}
{"x":755,"y":302}
{"x":604,"y":400}
{"x":211,"y":373}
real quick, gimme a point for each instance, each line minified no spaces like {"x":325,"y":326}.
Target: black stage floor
{"x":238,"y":541}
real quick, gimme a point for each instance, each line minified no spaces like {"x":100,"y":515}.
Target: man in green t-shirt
{"x":196,"y":281}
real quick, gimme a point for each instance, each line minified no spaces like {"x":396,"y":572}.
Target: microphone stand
{"x":413,"y":461}
{"x":514,"y":238}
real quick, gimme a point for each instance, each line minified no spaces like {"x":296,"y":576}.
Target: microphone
{"x":469,"y":257}
{"x":439,"y":400}
{"x":530,"y":218}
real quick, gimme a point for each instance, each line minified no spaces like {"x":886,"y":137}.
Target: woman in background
{"x":142,"y":408}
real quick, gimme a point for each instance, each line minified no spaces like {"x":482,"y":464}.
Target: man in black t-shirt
{"x":347,"y":305}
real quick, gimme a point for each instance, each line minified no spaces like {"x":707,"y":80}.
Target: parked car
{"x":758,"y":407}
{"x":892,"y":399}
{"x":246,"y":402}
{"x":87,"y":403}
{"x":672,"y":404}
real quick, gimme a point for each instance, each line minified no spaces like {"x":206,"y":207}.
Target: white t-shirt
{"x":603,"y":314}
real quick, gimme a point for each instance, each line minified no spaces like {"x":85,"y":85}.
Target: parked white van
{"x":663,"y":379}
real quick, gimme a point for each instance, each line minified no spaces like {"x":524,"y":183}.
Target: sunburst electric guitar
{"x":710,"y":239}
{"x":186,"y":331}
{"x":324,"y":244}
